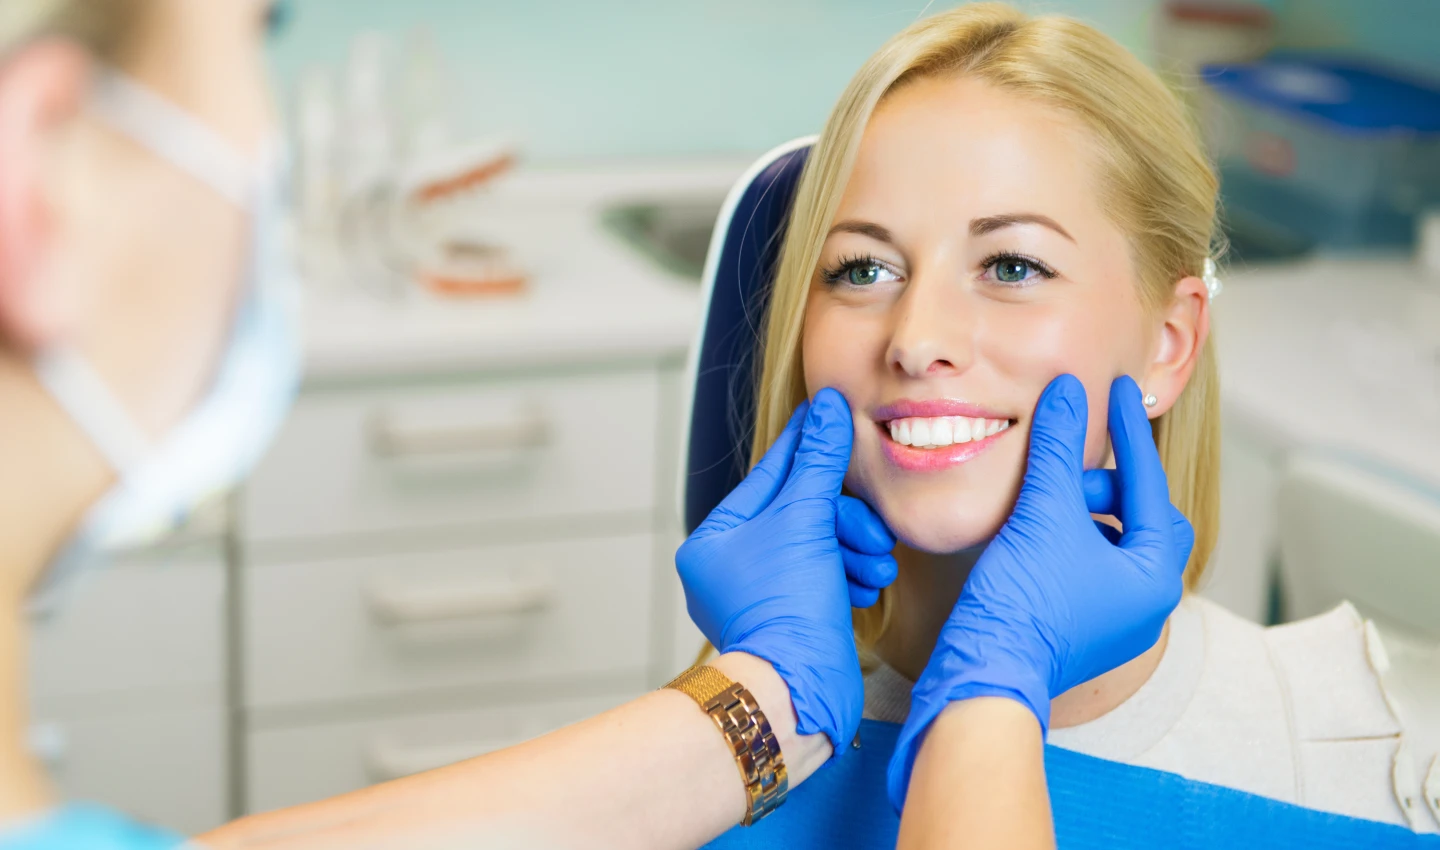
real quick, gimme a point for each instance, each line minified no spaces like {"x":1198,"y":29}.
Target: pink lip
{"x":912,"y":459}
{"x":905,"y":408}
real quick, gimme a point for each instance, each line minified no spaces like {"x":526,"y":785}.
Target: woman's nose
{"x":932,"y":331}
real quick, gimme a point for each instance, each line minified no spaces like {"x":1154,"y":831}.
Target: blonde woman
{"x":147,"y":354}
{"x":997,"y":199}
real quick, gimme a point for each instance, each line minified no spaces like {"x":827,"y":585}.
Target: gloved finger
{"x":758,"y":490}
{"x":872,"y":571}
{"x":1109,"y":532}
{"x":1184,"y":537}
{"x":863,"y":597}
{"x":824,"y":451}
{"x":860,"y":528}
{"x":1102,"y":496}
{"x":1144,"y":498}
{"x":1102,"y":491}
{"x":1057,"y":443}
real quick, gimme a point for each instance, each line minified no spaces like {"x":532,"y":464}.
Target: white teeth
{"x":939,"y":431}
{"x":920,"y":432}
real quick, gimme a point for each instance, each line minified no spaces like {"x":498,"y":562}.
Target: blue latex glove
{"x":1057,"y":599}
{"x":773,"y":570}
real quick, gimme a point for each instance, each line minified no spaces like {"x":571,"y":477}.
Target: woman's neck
{"x":926,"y":591}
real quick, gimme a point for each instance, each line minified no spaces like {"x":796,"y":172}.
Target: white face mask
{"x":160,"y":482}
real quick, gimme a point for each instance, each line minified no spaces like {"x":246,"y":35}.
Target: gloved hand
{"x":766,"y":573}
{"x":1057,"y":598}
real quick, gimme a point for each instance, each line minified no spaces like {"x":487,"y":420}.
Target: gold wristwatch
{"x":740,"y":720}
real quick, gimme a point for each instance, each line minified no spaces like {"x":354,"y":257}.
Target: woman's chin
{"x":939,"y":534}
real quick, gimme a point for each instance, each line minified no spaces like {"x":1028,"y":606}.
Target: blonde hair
{"x":1158,"y":187}
{"x":101,"y":26}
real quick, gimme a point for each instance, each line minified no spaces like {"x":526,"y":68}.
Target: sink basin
{"x":673,"y":233}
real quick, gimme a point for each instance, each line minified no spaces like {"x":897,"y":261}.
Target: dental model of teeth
{"x":939,"y":431}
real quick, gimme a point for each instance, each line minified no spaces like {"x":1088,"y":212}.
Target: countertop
{"x":590,"y":296}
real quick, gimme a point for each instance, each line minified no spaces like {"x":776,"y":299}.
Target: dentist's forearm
{"x":653,"y":773}
{"x":979,"y":781}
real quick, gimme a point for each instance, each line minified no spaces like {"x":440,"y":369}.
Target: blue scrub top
{"x":85,"y":827}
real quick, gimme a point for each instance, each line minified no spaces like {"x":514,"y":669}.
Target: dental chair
{"x":1095,"y":803}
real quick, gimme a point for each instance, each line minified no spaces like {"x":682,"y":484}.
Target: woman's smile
{"x":936,"y":434}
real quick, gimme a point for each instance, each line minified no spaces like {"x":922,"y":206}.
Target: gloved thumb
{"x":1057,"y":439}
{"x":823,"y":455}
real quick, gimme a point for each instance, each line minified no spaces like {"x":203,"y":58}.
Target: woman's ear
{"x":1184,"y":329}
{"x":42,"y":91}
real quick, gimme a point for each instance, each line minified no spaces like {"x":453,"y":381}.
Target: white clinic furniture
{"x":463,"y":537}
{"x":1349,"y":530}
{"x":1328,"y":354}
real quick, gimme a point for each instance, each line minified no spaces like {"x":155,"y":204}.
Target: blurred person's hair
{"x":100,"y":26}
{"x":1156,"y":185}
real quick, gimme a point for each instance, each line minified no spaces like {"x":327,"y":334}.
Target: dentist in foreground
{"x":148,"y":352}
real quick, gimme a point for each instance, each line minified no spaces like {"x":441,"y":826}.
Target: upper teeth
{"x":937,"y":431}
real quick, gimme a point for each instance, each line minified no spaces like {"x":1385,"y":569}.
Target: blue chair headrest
{"x":736,"y":289}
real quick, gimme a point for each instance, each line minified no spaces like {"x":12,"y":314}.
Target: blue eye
{"x":1013,"y":269}
{"x":863,"y":275}
{"x":859,"y":272}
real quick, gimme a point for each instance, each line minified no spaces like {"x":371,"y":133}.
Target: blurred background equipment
{"x":464,"y":535}
{"x":1325,"y":151}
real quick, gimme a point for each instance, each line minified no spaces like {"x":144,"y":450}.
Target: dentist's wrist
{"x":804,"y":754}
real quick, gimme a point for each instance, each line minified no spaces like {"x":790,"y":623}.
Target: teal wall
{"x":585,"y":79}
{"x":1403,"y":33}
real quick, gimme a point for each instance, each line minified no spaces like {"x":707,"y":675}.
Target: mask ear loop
{"x":174,"y":135}
{"x":93,"y":407}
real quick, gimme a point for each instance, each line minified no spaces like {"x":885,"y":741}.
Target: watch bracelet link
{"x":746,"y":731}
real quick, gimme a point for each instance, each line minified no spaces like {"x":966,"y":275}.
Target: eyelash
{"x":834,"y":275}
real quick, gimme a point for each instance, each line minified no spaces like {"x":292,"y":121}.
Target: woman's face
{"x":970,"y":263}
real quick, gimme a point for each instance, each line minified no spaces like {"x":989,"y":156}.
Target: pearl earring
{"x":1150,"y":400}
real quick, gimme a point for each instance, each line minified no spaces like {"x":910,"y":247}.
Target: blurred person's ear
{"x":43,"y":89}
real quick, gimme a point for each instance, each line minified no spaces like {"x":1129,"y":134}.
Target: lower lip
{"x":912,"y":459}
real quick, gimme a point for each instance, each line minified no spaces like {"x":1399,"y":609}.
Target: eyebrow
{"x":992,"y":223}
{"x":978,"y":226}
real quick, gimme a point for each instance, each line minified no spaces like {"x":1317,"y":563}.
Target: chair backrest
{"x":736,"y":289}
{"x":1351,"y":531}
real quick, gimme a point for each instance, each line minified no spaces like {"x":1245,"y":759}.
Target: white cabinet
{"x":441,"y":566}
{"x":128,"y":700}
{"x":293,"y":765}
{"x":163,"y":765}
{"x":397,"y":624}
{"x":369,"y":461}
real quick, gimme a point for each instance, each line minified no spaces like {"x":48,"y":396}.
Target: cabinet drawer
{"x":297,"y":765}
{"x":374,"y":461}
{"x":391,"y":624}
{"x":164,"y":766}
{"x":150,"y":624}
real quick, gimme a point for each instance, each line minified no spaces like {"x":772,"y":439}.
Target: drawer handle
{"x":392,"y":437}
{"x":386,"y":760}
{"x":436,"y":603}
